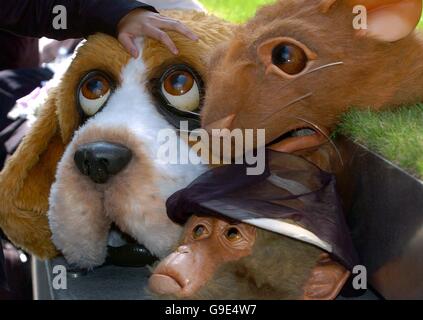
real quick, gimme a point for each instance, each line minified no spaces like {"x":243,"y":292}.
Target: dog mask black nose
{"x":100,"y":160}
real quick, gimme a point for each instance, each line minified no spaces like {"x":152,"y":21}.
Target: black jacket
{"x":3,"y":282}
{"x":20,"y":19}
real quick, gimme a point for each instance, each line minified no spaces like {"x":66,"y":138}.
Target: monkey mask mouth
{"x":163,"y":282}
{"x":207,"y":244}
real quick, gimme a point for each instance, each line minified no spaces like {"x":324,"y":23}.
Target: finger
{"x":128,"y":43}
{"x":163,"y":38}
{"x":174,"y":25}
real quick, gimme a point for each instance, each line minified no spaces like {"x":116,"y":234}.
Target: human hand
{"x":140,"y":22}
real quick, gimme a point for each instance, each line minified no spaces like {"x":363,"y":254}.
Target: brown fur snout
{"x":294,"y":70}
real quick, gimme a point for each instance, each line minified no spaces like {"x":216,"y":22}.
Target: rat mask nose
{"x":100,"y":160}
{"x":224,"y":123}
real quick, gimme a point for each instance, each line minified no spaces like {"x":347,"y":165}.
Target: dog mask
{"x":101,"y":123}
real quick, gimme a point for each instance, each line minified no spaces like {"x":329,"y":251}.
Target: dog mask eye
{"x":94,"y":91}
{"x":181,"y":90}
{"x":290,"y":58}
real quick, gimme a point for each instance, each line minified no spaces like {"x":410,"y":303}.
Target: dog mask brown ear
{"x":326,"y":280}
{"x":387,"y":20}
{"x":25,"y":184}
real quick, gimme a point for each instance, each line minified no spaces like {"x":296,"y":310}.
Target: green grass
{"x":239,"y":10}
{"x":234,"y":10}
{"x":396,"y":135}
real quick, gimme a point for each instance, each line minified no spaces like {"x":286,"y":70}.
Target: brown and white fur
{"x":80,"y":212}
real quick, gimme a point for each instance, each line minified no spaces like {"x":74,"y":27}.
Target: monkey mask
{"x":289,"y":215}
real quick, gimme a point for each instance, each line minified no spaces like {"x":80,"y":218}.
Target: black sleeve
{"x":34,"y":18}
{"x":3,"y":280}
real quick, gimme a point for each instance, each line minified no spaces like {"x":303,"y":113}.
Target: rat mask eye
{"x":233,"y":234}
{"x":285,"y":57}
{"x":181,"y":90}
{"x":93,"y":92}
{"x":290,"y":58}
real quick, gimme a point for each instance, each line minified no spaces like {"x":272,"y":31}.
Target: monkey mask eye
{"x":233,"y":234}
{"x":200,"y":232}
{"x":285,"y":56}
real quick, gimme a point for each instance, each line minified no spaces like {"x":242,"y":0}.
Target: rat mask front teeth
{"x":303,"y":132}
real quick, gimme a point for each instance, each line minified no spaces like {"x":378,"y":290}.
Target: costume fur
{"x":78,"y":206}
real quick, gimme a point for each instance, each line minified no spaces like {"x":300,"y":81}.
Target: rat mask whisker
{"x":333,"y":64}
{"x":315,"y":126}
{"x":323,"y":67}
{"x":299,"y":99}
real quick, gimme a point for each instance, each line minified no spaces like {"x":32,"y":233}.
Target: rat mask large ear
{"x":326,"y":280}
{"x":387,"y":20}
{"x":25,"y":184}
